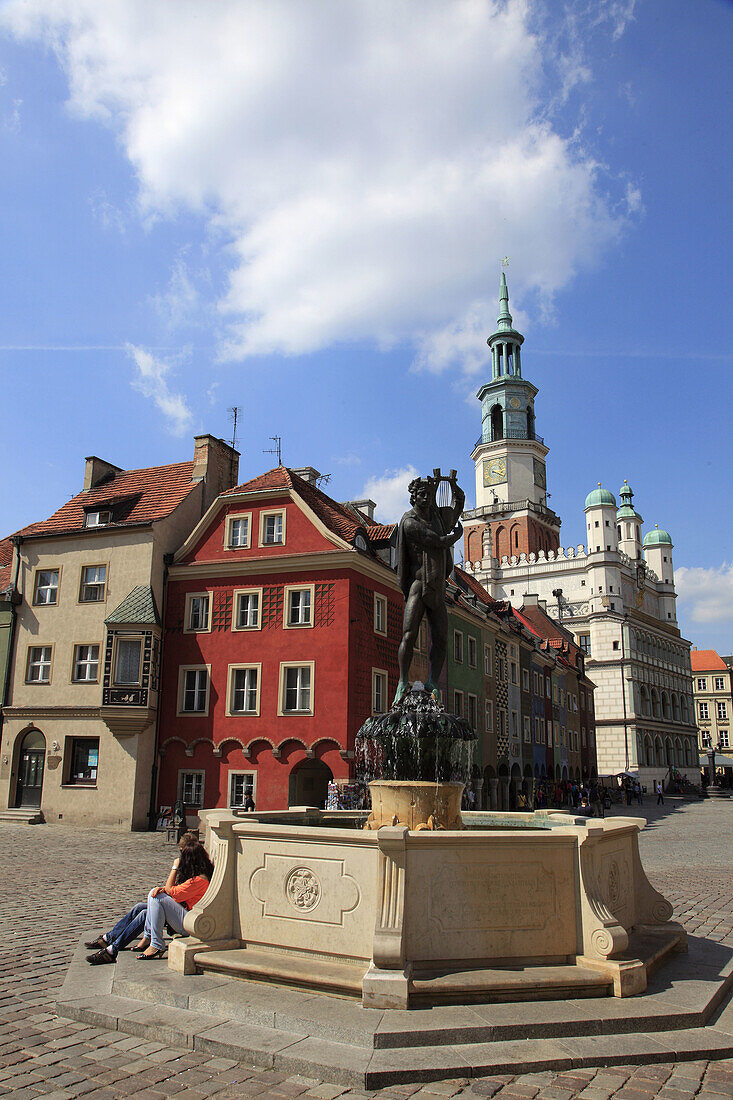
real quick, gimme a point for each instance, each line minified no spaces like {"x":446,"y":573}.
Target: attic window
{"x":98,"y":519}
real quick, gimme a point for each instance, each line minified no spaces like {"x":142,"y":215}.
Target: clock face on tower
{"x":540,"y":476}
{"x":515,"y":403}
{"x":494,"y":471}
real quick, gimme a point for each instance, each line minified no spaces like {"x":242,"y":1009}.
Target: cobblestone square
{"x":62,"y":882}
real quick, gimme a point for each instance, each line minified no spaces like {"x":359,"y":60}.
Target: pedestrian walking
{"x":660,"y":792}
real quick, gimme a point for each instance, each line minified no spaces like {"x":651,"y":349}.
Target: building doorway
{"x":30,"y":770}
{"x":308,"y":783}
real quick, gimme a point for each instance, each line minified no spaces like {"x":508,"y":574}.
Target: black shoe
{"x":100,"y":943}
{"x":100,"y":957}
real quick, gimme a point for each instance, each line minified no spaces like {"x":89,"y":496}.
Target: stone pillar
{"x":493,"y":796}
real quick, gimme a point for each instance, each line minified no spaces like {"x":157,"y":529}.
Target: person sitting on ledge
{"x":131,"y":925}
{"x":169,"y":904}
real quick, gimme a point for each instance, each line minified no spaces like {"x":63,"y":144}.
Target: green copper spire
{"x":504,"y":320}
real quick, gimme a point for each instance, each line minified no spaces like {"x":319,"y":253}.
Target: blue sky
{"x":300,"y":209}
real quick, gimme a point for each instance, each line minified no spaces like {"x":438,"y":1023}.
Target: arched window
{"x":648,"y":758}
{"x":530,"y":423}
{"x":501,"y":543}
{"x":497,"y":423}
{"x":658,"y":757}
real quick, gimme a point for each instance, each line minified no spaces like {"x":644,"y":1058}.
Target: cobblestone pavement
{"x":61,"y":882}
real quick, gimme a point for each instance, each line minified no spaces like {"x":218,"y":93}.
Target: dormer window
{"x":98,"y":519}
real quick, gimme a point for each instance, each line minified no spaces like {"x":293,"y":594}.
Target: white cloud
{"x":178,"y":303}
{"x":151,"y":381}
{"x":706,"y":595}
{"x":105,"y":212}
{"x":389,"y":492}
{"x":366,"y":162}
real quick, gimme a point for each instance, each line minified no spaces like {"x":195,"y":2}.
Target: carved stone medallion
{"x":302,"y":889}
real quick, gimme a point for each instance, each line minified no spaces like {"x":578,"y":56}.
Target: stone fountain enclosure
{"x":553,"y":907}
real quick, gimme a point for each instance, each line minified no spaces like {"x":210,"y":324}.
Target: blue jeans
{"x":162,"y":910}
{"x":127,"y":929}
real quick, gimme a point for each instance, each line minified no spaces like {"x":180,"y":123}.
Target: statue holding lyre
{"x":424,"y":561}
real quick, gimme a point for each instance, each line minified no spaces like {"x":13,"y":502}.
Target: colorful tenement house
{"x":615,"y":593}
{"x":712,"y":683}
{"x":85,"y":589}
{"x":282,"y":621}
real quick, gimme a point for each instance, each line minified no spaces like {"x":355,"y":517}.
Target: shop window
{"x":83,"y":761}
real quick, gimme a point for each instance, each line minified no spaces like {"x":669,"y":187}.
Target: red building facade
{"x":282,"y":623}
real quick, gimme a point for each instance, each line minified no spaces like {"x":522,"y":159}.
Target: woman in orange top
{"x":169,"y":904}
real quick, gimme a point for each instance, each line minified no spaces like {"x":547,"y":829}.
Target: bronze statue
{"x":424,"y":562}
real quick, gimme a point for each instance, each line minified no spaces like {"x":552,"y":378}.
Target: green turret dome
{"x":626,"y":511}
{"x":657,"y":537}
{"x":600,"y":496}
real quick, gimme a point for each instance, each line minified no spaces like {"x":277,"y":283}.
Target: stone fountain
{"x":416,"y":903}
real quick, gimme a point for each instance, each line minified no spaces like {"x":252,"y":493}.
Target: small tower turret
{"x":628,"y":522}
{"x":600,"y":520}
{"x":657,"y":549}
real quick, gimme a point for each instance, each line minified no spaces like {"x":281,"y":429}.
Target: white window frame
{"x":243,"y":666}
{"x":548,"y":726}
{"x":703,"y":710}
{"x":379,"y":676}
{"x":458,"y":647}
{"x":514,"y":725}
{"x":129,"y":637}
{"x":284,"y":666}
{"x":182,"y":670}
{"x":489,"y":715}
{"x":527,"y":724}
{"x":724,"y":739}
{"x":458,"y":703}
{"x":719,"y":683}
{"x":721,"y":710}
{"x":192,"y":771}
{"x":190,"y":597}
{"x":47,"y":587}
{"x":40,"y":664}
{"x":288,"y":592}
{"x":234,"y":773}
{"x":525,"y":679}
{"x":488,"y":662}
{"x":230,"y":520}
{"x":100,"y":517}
{"x":263,"y":516}
{"x":380,"y":611}
{"x":702,"y":684}
{"x":94,"y":584}
{"x":513,"y":667}
{"x":75,"y":663}
{"x":235,"y":608}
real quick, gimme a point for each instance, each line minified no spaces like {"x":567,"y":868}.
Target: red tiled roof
{"x":540,"y":623}
{"x":339,"y":519}
{"x":5,"y":577}
{"x":380,"y":532}
{"x":705,"y":660}
{"x":475,"y":588}
{"x":6,"y":552}
{"x":149,"y":494}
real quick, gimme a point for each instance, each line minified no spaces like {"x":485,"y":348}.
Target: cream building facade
{"x":615,"y":592}
{"x":79,"y":724}
{"x":712,"y":682}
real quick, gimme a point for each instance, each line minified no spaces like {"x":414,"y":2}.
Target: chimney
{"x":307,"y":473}
{"x":216,"y":464}
{"x":531,"y":600}
{"x":366,"y":506}
{"x":97,"y":470}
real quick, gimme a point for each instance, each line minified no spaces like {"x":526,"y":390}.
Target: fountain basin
{"x":556,"y":906}
{"x":417,"y":805}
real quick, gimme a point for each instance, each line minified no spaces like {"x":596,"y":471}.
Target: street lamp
{"x":714,"y":788}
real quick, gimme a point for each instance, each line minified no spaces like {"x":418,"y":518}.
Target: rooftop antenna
{"x":233,"y":416}
{"x":276,"y":450}
{"x":323,"y":479}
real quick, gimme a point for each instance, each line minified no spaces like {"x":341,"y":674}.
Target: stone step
{"x":501,"y":984}
{"x":341,"y":1063}
{"x":278,"y":966}
{"x":22,"y":816}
